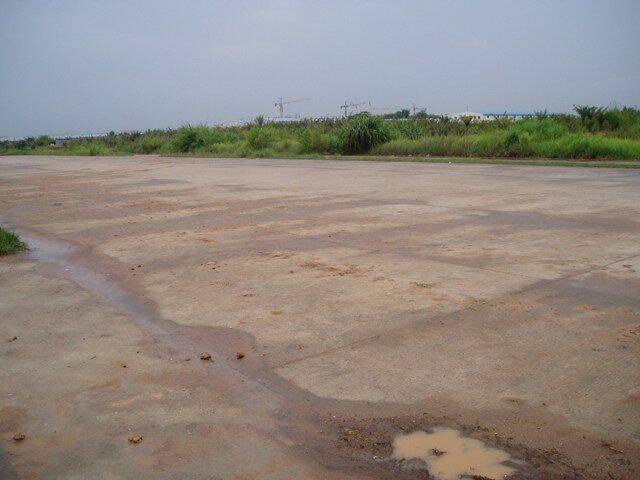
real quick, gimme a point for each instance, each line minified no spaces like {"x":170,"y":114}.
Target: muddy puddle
{"x":449,"y":455}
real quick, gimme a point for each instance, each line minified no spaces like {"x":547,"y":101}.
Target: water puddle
{"x":67,"y":262}
{"x":451,"y":456}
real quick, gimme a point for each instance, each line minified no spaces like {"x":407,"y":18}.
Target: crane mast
{"x":415,"y":107}
{"x":281,"y":103}
{"x":348,"y":105}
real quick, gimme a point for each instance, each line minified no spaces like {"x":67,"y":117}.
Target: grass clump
{"x":411,"y":129}
{"x":10,"y":243}
{"x":260,"y":138}
{"x":188,"y":139}
{"x":314,"y":140}
{"x":361,"y":133}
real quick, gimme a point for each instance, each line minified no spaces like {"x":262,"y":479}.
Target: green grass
{"x":10,"y":243}
{"x":82,"y":151}
{"x":511,"y":144}
{"x":597,"y":134}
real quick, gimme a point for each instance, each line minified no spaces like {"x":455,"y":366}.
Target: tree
{"x":404,"y":113}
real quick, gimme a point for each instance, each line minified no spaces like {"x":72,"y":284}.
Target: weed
{"x":10,"y":242}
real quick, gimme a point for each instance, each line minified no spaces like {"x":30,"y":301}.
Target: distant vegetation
{"x":10,"y":243}
{"x":593,"y":133}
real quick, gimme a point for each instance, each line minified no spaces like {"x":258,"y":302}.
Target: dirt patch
{"x":340,"y":271}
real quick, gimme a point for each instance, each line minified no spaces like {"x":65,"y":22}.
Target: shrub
{"x":512,"y":139}
{"x":517,"y":145}
{"x":97,"y":148}
{"x":543,"y":129}
{"x":288,"y":145}
{"x":244,"y":150}
{"x":188,"y":139}
{"x":361,"y":133}
{"x":148,"y":144}
{"x":260,"y":138}
{"x":44,"y":141}
{"x":632,"y":132}
{"x":406,"y":129}
{"x":312,"y":140}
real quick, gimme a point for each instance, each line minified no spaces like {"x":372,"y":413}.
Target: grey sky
{"x":94,"y":66}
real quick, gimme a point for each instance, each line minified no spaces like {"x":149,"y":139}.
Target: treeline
{"x":593,"y":133}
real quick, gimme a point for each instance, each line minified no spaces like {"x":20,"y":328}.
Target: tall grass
{"x":594,"y":133}
{"x":362,"y":133}
{"x":501,"y":144}
{"x":315,"y":140}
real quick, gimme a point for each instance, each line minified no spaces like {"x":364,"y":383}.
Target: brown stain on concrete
{"x":11,"y":418}
{"x":340,"y":270}
{"x":632,"y":399}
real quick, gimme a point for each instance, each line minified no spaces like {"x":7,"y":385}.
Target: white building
{"x":475,"y":116}
{"x":511,"y":115}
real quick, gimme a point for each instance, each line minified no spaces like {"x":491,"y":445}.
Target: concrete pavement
{"x":367,"y":298}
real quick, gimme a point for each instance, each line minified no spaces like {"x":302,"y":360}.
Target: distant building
{"x":236,"y":123}
{"x":244,"y":122}
{"x":487,"y":116}
{"x":281,"y":119}
{"x":510,"y":115}
{"x":59,"y":142}
{"x":475,"y":116}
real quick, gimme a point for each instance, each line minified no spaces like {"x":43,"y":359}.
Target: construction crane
{"x":348,"y":105}
{"x":282,"y":102}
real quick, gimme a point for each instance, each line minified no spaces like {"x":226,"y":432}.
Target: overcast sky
{"x":94,"y":66}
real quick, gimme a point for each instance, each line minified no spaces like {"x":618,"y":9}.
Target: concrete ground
{"x":367,"y":298}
